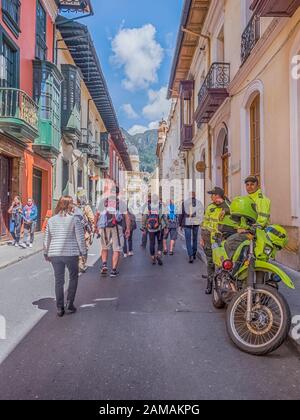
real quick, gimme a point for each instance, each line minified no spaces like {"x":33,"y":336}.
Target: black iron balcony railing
{"x":218,"y":78}
{"x":250,"y":37}
{"x":213,"y":92}
{"x":18,"y":113}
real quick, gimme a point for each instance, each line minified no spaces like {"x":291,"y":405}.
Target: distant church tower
{"x":135,"y":158}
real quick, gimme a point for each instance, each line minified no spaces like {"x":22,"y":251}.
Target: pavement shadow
{"x":45,"y":304}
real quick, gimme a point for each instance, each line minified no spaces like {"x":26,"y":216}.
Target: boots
{"x":209,"y":286}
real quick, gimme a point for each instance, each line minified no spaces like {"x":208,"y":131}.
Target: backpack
{"x":153,"y":220}
{"x":111,"y":220}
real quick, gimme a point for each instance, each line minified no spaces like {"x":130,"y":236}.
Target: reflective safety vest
{"x":216,"y":216}
{"x":263,"y":208}
{"x":211,"y":217}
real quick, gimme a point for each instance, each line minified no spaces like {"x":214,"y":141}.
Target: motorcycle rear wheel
{"x":269,"y":327}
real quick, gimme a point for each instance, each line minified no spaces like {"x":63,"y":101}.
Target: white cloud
{"x":140,"y":54}
{"x":154,"y":125}
{"x":129,"y":111}
{"x":140,"y":129}
{"x":159,"y":105}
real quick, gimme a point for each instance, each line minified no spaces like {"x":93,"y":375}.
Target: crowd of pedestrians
{"x":71,"y":231}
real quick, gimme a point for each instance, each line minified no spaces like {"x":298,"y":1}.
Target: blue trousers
{"x":191,"y":238}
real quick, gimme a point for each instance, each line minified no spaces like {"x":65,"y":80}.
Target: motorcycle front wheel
{"x":270,"y":322}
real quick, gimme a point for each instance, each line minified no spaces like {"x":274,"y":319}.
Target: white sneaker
{"x":23,"y":246}
{"x":125,"y":255}
{"x":130,"y":254}
{"x":30,"y":245}
{"x":17,"y":245}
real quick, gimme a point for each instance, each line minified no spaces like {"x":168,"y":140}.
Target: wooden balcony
{"x":18,"y":115}
{"x":186,"y":138}
{"x":213,"y":92}
{"x":275,"y":8}
{"x":47,"y":81}
{"x":71,"y":104}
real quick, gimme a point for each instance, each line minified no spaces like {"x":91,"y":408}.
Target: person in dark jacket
{"x":154,"y":221}
{"x":16,"y":220}
{"x":64,"y":242}
{"x":190,"y":220}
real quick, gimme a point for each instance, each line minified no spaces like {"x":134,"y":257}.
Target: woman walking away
{"x":30,"y":215}
{"x":154,"y":221}
{"x":16,"y":220}
{"x":63,"y":244}
{"x":128,"y":242}
{"x":171,"y":228}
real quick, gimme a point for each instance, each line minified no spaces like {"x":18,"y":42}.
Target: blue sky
{"x":135,"y":40}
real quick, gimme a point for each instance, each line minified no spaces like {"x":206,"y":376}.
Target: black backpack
{"x":153,"y":219}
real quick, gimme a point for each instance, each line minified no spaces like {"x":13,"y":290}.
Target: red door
{"x":5,"y":164}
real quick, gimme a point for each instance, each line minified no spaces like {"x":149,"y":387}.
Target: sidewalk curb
{"x":24,"y":257}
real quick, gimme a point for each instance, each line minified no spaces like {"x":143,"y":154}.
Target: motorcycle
{"x":258,"y":318}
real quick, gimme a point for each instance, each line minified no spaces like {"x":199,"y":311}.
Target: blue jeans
{"x":191,"y":238}
{"x":15,"y":230}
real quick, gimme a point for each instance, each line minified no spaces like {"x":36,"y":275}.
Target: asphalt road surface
{"x":151,"y":333}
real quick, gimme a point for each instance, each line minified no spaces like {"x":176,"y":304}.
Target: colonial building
{"x":57,"y":120}
{"x":235,"y":87}
{"x":27,"y":77}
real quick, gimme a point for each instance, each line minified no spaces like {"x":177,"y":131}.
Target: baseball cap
{"x":217,"y":191}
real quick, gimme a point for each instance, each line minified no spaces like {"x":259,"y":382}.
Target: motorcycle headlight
{"x":268,"y":250}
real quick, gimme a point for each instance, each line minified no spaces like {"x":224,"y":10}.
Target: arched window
{"x":255,"y":136}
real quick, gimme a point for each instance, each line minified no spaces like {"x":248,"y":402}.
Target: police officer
{"x":262,"y":203}
{"x":216,"y":220}
{"x":263,"y":210}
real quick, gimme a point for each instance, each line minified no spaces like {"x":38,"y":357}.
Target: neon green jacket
{"x":217,"y":217}
{"x":263,"y":208}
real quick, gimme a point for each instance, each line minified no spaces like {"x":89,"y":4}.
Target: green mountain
{"x":146,"y":145}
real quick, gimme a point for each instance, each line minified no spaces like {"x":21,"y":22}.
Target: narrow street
{"x":149,"y":334}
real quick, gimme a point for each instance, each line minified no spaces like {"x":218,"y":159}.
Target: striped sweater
{"x":64,"y":237}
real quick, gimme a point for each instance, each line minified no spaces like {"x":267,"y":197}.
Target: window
{"x":9,"y":64}
{"x":79,"y":178}
{"x":65,"y":177}
{"x":11,"y":15}
{"x":47,"y":94}
{"x":40,"y":45}
{"x":255,"y":136}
